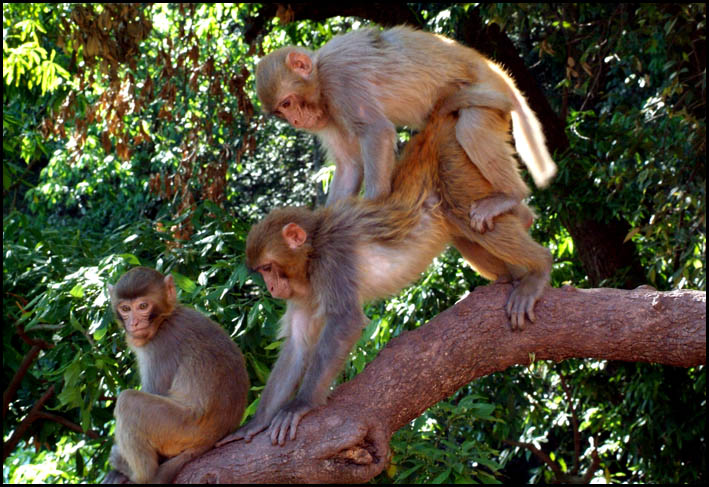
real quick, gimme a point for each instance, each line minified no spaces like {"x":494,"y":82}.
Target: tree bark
{"x":603,"y":250}
{"x":348,"y":439}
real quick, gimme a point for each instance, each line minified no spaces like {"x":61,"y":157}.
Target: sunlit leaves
{"x":28,"y":61}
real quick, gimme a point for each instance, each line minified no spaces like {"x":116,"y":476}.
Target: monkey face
{"x":300,"y":114}
{"x":276,"y":280}
{"x":138,"y":317}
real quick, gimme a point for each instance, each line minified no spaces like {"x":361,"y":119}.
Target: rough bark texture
{"x":348,"y":440}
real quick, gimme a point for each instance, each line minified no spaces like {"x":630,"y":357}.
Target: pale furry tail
{"x":526,"y":129}
{"x":529,"y":138}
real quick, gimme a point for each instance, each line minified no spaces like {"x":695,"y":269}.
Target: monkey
{"x":328,"y":261}
{"x":194,"y":381}
{"x":353,"y":92}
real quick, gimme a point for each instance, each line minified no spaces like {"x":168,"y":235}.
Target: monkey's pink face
{"x":300,"y":114}
{"x":136,"y":317}
{"x":276,"y":280}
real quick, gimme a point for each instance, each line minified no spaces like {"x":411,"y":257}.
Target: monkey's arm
{"x":377,"y":144}
{"x":337,"y":339}
{"x":280,"y":386}
{"x":370,"y":155}
{"x":346,"y":181}
{"x":348,"y":165}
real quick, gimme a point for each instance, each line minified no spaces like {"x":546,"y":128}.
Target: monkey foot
{"x":517,"y":307}
{"x":524,"y":296}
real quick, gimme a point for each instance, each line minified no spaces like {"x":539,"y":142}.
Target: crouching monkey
{"x":193,"y":378}
{"x":327,"y":262}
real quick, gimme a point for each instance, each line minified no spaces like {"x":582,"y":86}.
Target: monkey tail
{"x":529,"y":138}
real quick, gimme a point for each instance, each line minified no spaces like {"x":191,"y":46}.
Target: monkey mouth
{"x":140,"y":333}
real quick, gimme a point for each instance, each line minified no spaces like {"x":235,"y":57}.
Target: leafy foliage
{"x":129,"y":137}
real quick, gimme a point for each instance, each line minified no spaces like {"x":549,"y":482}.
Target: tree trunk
{"x":348,"y":439}
{"x":605,"y":254}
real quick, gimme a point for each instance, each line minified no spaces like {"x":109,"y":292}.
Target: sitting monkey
{"x":193,"y":378}
{"x":327,"y":262}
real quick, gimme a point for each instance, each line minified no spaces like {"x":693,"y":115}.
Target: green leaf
{"x":77,"y":291}
{"x":184,"y":282}
{"x":442,"y":477}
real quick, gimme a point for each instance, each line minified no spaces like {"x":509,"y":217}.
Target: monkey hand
{"x":246,"y":432}
{"x":480,"y":218}
{"x":288,"y":418}
{"x":522,"y":300}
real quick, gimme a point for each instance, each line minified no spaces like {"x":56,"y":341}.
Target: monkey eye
{"x":285,"y":104}
{"x":143,"y":306}
{"x":266,"y":268}
{"x":125,"y":308}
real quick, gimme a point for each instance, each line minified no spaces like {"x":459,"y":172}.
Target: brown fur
{"x":357,"y":250}
{"x":193,"y":378}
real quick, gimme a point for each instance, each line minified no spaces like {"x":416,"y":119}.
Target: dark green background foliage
{"x":132,"y":135}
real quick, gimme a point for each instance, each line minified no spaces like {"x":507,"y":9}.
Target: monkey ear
{"x":294,"y":235}
{"x":300,"y":63}
{"x":170,"y":290}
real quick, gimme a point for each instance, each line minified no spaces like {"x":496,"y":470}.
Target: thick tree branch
{"x":348,"y":440}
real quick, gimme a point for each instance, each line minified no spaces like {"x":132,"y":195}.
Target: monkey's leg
{"x":528,"y":262}
{"x":169,"y":469}
{"x":118,"y":462}
{"x":483,"y":134}
{"x":148,"y":425}
{"x":486,"y":264}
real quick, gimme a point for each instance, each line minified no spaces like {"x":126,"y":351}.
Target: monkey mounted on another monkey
{"x":355,"y":90}
{"x":328,"y":261}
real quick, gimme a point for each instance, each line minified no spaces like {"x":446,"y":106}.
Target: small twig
{"x":32,"y":341}
{"x":539,"y":454}
{"x":46,"y":327}
{"x":11,"y":389}
{"x":65,"y":422}
{"x":21,"y":298}
{"x":574,"y":424}
{"x":595,"y":464}
{"x":37,"y":345}
{"x":9,"y":446}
